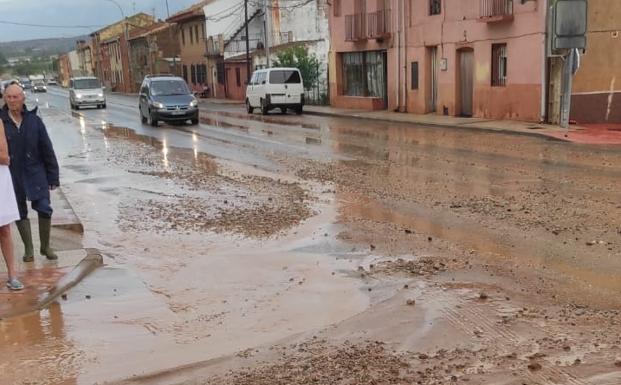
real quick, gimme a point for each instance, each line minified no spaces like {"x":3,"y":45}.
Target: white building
{"x":288,"y":23}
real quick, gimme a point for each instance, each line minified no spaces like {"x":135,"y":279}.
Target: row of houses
{"x":479,"y":58}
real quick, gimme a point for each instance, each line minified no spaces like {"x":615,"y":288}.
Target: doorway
{"x":432,"y":83}
{"x":466,"y":81}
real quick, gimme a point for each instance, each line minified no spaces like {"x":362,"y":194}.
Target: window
{"x":169,"y":87}
{"x":201,"y":73}
{"x":191,"y":36}
{"x":285,"y":77}
{"x":499,"y":65}
{"x":364,"y":74}
{"x":238,"y":76}
{"x":414,"y":75}
{"x":435,"y":7}
{"x":185,"y":72}
{"x":220,"y":72}
{"x":336,"y":8}
{"x":196,"y":33}
{"x":182,"y":36}
{"x":193,"y":73}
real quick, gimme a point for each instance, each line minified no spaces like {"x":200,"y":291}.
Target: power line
{"x":48,"y":25}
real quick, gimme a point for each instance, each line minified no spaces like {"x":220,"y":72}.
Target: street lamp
{"x":118,"y":5}
{"x":126,"y":32}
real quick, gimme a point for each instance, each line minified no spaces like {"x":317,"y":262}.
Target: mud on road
{"x":205,"y":198}
{"x":489,"y":259}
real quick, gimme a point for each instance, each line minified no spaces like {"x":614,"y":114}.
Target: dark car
{"x":167,"y":98}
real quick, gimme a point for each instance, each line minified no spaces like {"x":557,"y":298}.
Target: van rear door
{"x":285,"y":86}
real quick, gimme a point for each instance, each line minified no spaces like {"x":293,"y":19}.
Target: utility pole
{"x":267,"y":26}
{"x":169,"y":33}
{"x":247,"y":42}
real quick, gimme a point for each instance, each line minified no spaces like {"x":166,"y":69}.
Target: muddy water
{"x":175,"y":295}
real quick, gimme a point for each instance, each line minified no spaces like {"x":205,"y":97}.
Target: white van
{"x":275,"y":88}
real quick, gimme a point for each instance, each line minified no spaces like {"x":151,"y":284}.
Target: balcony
{"x":355,"y":28}
{"x":495,"y":11}
{"x":378,"y":24}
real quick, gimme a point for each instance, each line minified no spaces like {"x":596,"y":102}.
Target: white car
{"x":275,"y":88}
{"x":86,"y":91}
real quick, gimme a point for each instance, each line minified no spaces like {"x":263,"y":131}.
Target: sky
{"x":91,"y":14}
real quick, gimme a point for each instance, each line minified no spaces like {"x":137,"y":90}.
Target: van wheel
{"x":283,"y":110}
{"x":249,"y":108}
{"x":264,"y":109}
{"x":299,"y":109}
{"x":194,"y":121}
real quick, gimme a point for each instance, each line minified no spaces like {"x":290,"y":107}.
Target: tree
{"x":298,"y":57}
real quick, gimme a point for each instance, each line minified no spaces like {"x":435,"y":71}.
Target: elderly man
{"x":34,"y":168}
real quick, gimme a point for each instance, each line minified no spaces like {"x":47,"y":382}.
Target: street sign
{"x":570,"y":24}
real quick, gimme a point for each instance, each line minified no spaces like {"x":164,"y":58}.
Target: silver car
{"x":86,"y":91}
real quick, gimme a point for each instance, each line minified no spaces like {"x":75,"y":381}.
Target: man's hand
{"x":53,"y":187}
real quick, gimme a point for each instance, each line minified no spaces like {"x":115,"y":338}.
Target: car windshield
{"x":39,"y":83}
{"x":169,"y":87}
{"x":285,"y":77}
{"x":86,"y":84}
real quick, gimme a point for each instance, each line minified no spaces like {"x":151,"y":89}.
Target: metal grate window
{"x":435,"y":7}
{"x":499,"y":65}
{"x":414,"y":75}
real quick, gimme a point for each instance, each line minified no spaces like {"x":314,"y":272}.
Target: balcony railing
{"x":378,"y":24}
{"x":355,"y":28}
{"x":496,"y":10}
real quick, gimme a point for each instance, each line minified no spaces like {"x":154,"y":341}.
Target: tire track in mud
{"x":475,"y":318}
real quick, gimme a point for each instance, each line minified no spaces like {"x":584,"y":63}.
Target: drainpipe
{"x":398,"y":88}
{"x":544,"y":64}
{"x":405,"y":54}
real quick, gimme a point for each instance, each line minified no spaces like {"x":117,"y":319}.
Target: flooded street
{"x":315,"y":250}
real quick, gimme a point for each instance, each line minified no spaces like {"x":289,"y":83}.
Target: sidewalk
{"x":588,"y":134}
{"x":45,"y":280}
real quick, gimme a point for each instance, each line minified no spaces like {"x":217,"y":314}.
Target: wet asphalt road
{"x":243,"y":231}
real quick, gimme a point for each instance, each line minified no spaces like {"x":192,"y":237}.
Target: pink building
{"x":481,"y":58}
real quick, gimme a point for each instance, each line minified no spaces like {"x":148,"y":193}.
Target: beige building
{"x":190,"y":30}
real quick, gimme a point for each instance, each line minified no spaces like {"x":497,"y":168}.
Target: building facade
{"x":226,"y":45}
{"x":190,"y":31}
{"x":596,"y":96}
{"x":154,"y":50}
{"x":110,"y":51}
{"x":281,"y":27}
{"x":480,"y":58}
{"x":85,"y":59}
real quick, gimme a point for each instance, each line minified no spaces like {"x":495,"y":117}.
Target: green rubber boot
{"x":45,"y":225}
{"x":23,"y":226}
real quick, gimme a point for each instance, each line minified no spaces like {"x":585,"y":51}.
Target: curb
{"x":87,"y":265}
{"x":431,"y":124}
{"x":76,"y":226}
{"x":92,"y":261}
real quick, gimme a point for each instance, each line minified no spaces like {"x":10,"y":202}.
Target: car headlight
{"x":79,"y":96}
{"x":100,"y":95}
{"x":194,"y":103}
{"x":157,"y":104}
